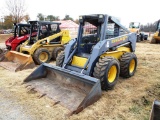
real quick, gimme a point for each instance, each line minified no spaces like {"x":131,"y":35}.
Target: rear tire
{"x":60,"y":59}
{"x":128,"y":65}
{"x":41,"y":55}
{"x":56,"y":51}
{"x":107,"y":70}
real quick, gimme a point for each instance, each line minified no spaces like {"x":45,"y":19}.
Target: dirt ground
{"x":4,"y":37}
{"x":131,"y":99}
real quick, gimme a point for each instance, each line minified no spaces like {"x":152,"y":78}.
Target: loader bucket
{"x":155,"y":112}
{"x":73,"y":90}
{"x":15,"y":61}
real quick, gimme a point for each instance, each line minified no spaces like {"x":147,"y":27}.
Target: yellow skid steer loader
{"x":91,"y":62}
{"x":156,"y":36}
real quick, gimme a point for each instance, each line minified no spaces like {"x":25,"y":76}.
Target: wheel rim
{"x":132,"y":66}
{"x":43,"y":57}
{"x":112,"y":73}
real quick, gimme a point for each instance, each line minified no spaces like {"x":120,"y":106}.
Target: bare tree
{"x":16,"y":8}
{"x":26,"y":17}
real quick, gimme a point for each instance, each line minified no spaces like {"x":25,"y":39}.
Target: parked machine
{"x":135,"y":27}
{"x":156,"y":36}
{"x":21,"y":34}
{"x":48,"y":42}
{"x":155,"y":110}
{"x":89,"y":63}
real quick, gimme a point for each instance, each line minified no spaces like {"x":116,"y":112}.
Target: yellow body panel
{"x":155,"y":36}
{"x":79,"y":61}
{"x":65,"y":37}
{"x":118,"y":53}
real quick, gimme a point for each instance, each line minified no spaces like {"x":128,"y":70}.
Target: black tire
{"x":60,"y":59}
{"x":56,"y":51}
{"x":45,"y":58}
{"x":18,"y":48}
{"x":101,"y":71}
{"x":128,"y":65}
{"x":145,"y":38}
{"x":138,"y":38}
{"x":141,"y":37}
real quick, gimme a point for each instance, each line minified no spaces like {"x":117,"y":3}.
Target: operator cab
{"x":45,"y":29}
{"x":21,"y":29}
{"x":92,"y":27}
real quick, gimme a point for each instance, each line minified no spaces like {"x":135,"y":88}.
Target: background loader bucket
{"x":15,"y":61}
{"x":72,"y":90}
{"x":155,"y":112}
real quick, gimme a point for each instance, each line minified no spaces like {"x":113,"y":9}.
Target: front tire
{"x":41,"y":55}
{"x":60,"y":59}
{"x":128,"y":65}
{"x":107,"y":70}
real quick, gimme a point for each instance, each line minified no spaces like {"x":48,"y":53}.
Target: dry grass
{"x":131,"y":98}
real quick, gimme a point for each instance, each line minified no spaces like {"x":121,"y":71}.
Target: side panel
{"x":118,"y":53}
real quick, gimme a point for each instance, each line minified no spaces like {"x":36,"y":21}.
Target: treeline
{"x":8,"y":20}
{"x":42,"y":17}
{"x":150,"y":27}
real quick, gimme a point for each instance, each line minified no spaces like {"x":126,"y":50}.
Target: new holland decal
{"x":119,"y":39}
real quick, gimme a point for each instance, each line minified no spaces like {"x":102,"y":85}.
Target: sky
{"x":143,"y":11}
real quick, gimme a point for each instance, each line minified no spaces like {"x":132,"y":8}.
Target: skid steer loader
{"x":21,"y":34}
{"x":91,"y":62}
{"x":49,"y":42}
{"x":156,"y":36}
{"x":12,"y":60}
{"x":135,"y":27}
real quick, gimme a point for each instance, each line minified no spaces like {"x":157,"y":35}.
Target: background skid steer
{"x":156,"y":36}
{"x":48,"y":43}
{"x":21,"y":34}
{"x":88,"y":60}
